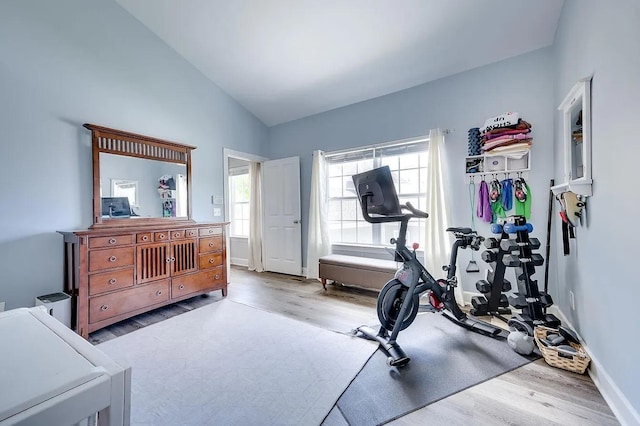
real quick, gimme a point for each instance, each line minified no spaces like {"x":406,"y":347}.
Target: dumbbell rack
{"x":493,"y":300}
{"x":517,"y":253}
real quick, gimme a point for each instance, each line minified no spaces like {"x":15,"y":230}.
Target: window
{"x":125,"y":188}
{"x":408,"y":163}
{"x":239,"y":201}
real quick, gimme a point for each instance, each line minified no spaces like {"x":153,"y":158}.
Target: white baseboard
{"x":239,"y":261}
{"x":625,"y":413}
{"x":467,"y":295}
{"x":618,"y":402}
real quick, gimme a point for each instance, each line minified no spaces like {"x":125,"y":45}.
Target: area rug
{"x":445,"y":359}
{"x":230,"y":364}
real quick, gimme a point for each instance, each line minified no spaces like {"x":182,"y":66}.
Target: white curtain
{"x":438,"y":241}
{"x":255,"y":217}
{"x":318,"y":243}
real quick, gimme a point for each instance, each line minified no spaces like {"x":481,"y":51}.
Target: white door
{"x":281,"y":206}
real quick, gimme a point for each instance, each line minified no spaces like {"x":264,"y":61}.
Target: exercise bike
{"x":399,"y":300}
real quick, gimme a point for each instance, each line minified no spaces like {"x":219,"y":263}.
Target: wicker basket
{"x":577,"y":363}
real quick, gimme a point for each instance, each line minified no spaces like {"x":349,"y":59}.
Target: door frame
{"x":226,"y":154}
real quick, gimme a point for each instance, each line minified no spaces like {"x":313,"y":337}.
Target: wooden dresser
{"x":116,"y":273}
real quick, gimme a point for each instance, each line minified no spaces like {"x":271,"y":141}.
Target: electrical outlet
{"x":217,"y":211}
{"x":572,"y":300}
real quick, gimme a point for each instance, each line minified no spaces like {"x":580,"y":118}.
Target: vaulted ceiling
{"x":288,"y":59}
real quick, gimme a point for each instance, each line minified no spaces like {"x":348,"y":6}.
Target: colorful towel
{"x":505,"y":140}
{"x":497,"y":211}
{"x":483,"y":210}
{"x":507,"y":194}
{"x":522,"y":124}
{"x":523,"y":208}
{"x":504,"y":132}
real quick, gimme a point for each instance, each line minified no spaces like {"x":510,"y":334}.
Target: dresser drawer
{"x":110,"y":258}
{"x":193,"y":283}
{"x":121,"y":302}
{"x":113,"y":241}
{"x":210,"y":244}
{"x":111,"y":280}
{"x":190,"y":233}
{"x":214,"y":230}
{"x":161,"y":236}
{"x":206,"y":261}
{"x":145,"y":237}
{"x":177,"y":234}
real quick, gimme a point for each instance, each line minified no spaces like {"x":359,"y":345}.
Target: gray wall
{"x":69,"y":62}
{"x":603,"y":39}
{"x":522,"y":84}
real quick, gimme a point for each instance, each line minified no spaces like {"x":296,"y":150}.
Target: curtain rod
{"x":383,"y":144}
{"x":378,"y":145}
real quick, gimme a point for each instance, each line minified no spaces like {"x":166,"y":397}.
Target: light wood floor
{"x":535,"y":394}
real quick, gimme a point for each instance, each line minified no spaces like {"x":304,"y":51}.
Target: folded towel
{"x":504,"y":132}
{"x":521,"y":125}
{"x":506,"y":142}
{"x":502,"y":120}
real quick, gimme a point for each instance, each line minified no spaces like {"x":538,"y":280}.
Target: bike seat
{"x":464,"y":231}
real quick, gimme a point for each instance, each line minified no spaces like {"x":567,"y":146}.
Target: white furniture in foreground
{"x":49,"y":375}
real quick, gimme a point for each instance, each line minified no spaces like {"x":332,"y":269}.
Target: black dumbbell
{"x":509,"y":245}
{"x":534,"y":243}
{"x":511,"y":260}
{"x":491,"y":243}
{"x":483,"y":286}
{"x":488,"y":256}
{"x":537,"y":259}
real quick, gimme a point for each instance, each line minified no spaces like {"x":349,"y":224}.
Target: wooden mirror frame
{"x":112,"y":141}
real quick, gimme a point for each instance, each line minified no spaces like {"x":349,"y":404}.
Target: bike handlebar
{"x":416,"y":212}
{"x":390,"y":218}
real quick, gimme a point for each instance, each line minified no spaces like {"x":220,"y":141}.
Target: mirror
{"x":576,"y":125}
{"x":139,"y":180}
{"x":151,"y":186}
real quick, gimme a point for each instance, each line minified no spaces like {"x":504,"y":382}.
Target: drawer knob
{"x":161,"y":236}
{"x":181,"y":287}
{"x":112,"y":281}
{"x":177,"y":234}
{"x":145,"y":238}
{"x":211,"y":260}
{"x":211,"y":231}
{"x":104,"y":307}
{"x":168,"y":259}
{"x":158,"y":293}
{"x":112,"y":241}
{"x":217,"y":277}
{"x":211,"y":244}
{"x":112,"y":259}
